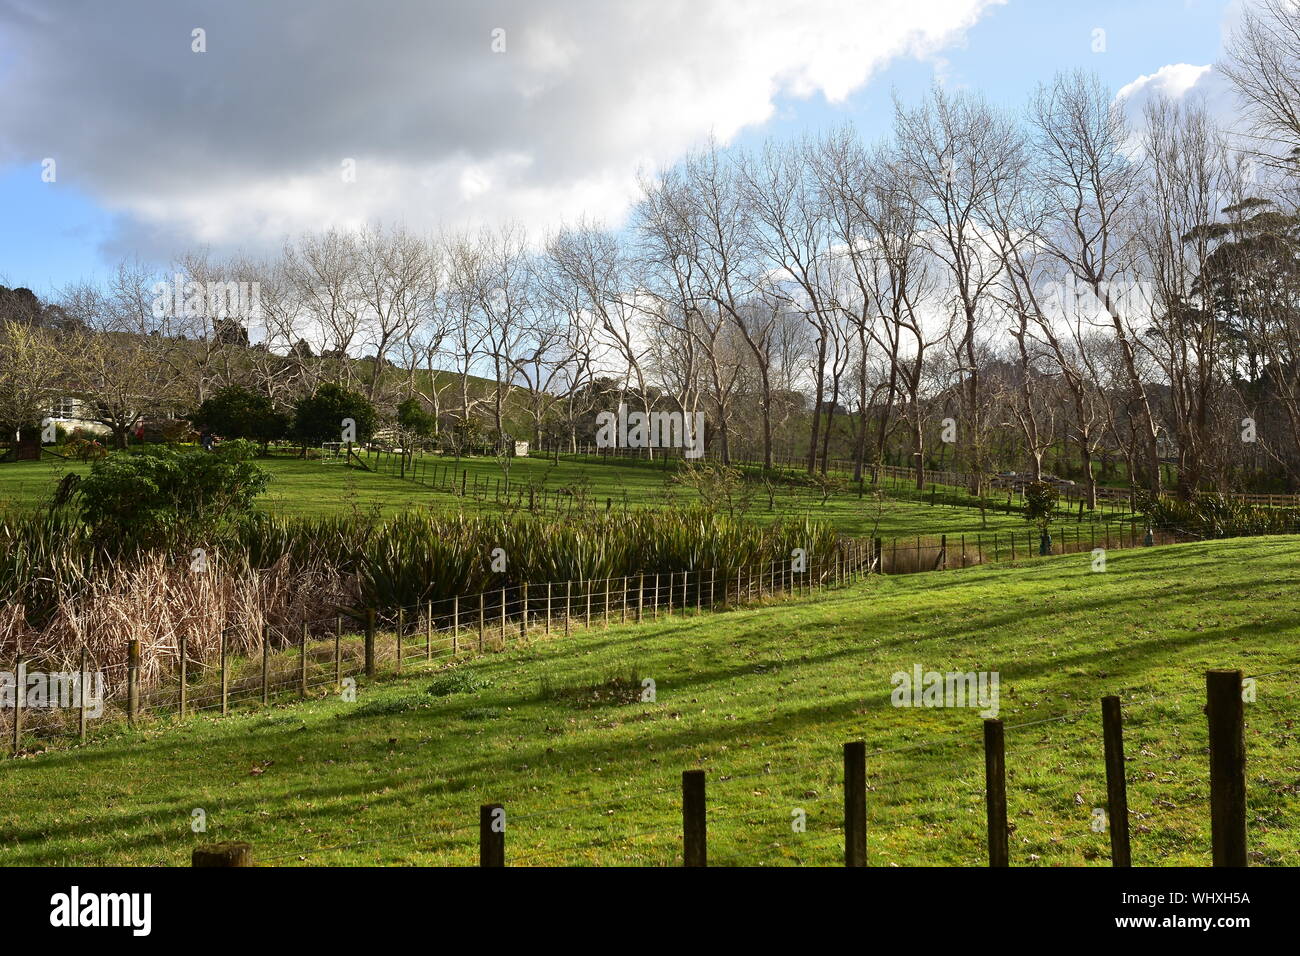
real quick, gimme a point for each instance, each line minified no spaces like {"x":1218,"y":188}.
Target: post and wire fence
{"x":455,"y":477}
{"x":321,"y":651}
{"x":852,"y":812}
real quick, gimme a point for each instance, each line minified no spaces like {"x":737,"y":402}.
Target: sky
{"x":124,"y":133}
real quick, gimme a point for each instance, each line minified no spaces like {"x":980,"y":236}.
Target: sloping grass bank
{"x":761,"y":699}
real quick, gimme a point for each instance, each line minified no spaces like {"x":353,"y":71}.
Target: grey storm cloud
{"x":284,"y":85}
{"x":244,"y":143}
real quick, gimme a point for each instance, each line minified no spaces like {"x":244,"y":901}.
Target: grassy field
{"x":314,"y":487}
{"x":761,"y":699}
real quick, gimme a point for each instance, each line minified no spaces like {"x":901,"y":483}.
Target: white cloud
{"x":243,"y":144}
{"x":1174,"y":81}
{"x":1204,"y":85}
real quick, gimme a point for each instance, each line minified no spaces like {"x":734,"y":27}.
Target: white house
{"x":72,"y":413}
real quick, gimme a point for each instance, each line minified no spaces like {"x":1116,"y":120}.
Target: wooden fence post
{"x":1112,"y":725}
{"x":694,"y":828}
{"x":222,"y":854}
{"x":428,"y":632}
{"x":370,"y":642}
{"x":491,"y":835}
{"x":302,"y":661}
{"x":548,"y":609}
{"x":401,"y":629}
{"x":482,"y":619}
{"x":338,"y":652}
{"x":455,"y":623}
{"x":184,"y":647}
{"x":266,"y":664}
{"x":225,"y":673}
{"x":132,"y":681}
{"x":20,"y":698}
{"x":81,"y":691}
{"x":1226,"y":713}
{"x":995,"y":788}
{"x":523,"y":612}
{"x":855,"y":803}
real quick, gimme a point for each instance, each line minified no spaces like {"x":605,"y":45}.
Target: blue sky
{"x":51,"y":234}
{"x":1023,"y":43}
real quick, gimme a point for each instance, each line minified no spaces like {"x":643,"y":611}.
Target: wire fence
{"x":453,"y":477}
{"x":873,"y":473}
{"x":350,"y":642}
{"x":324,"y":652}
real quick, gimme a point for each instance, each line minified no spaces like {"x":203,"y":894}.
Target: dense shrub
{"x":167,"y":496}
{"x":413,"y":418}
{"x":85,"y":449}
{"x":236,"y":412}
{"x":319,"y":417}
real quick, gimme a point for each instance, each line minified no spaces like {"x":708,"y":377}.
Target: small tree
{"x":466,"y":435}
{"x":720,"y":487}
{"x":825,"y":486}
{"x":414,"y":420}
{"x":505,"y":458}
{"x":319,"y":417}
{"x":771,"y":483}
{"x":1040,"y":503}
{"x":31,"y":365}
{"x":236,"y":412}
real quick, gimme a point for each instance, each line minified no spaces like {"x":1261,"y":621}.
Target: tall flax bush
{"x":44,"y":558}
{"x":60,"y":591}
{"x":1217,"y":516}
{"x":428,"y":557}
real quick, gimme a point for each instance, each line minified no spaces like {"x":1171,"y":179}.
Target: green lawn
{"x":327,"y":487}
{"x":761,"y":699}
